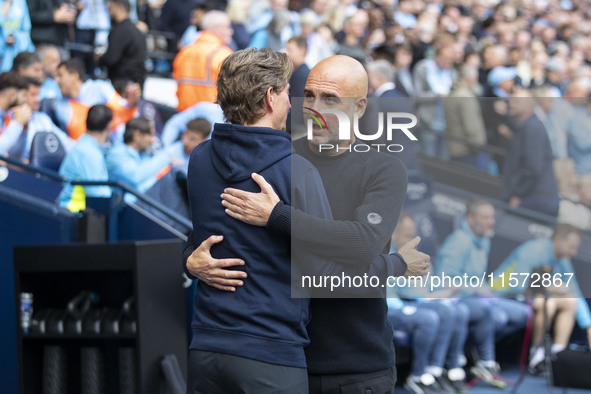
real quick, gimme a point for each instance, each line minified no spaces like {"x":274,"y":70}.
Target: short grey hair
{"x":213,"y":18}
{"x":383,"y":68}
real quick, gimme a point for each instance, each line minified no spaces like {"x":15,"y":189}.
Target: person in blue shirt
{"x":39,"y":122}
{"x":14,"y":113}
{"x":15,"y":32}
{"x":129,"y":162}
{"x":579,"y":139}
{"x":28,"y":64}
{"x":193,"y":31}
{"x":465,"y":252}
{"x":433,"y":79}
{"x":175,"y":126}
{"x":86,"y":160}
{"x":565,"y":303}
{"x":438,"y":327}
{"x":50,"y":60}
{"x":70,"y":112}
{"x":198,"y":130}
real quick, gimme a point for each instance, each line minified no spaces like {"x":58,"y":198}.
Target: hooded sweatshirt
{"x":260,"y":320}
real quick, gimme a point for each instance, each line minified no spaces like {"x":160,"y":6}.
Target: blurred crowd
{"x":500,"y":87}
{"x":486,"y":78}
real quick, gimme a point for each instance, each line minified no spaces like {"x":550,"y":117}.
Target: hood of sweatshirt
{"x":238,"y":151}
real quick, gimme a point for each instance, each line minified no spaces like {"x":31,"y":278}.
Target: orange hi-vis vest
{"x":7,"y":120}
{"x":196,"y":68}
{"x":121,"y":113}
{"x":77,"y":124}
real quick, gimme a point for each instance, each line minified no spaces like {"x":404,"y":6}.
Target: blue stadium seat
{"x":47,"y":151}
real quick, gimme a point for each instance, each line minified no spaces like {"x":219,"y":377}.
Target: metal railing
{"x":124,"y":188}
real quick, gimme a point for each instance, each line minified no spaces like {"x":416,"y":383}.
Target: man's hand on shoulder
{"x":251,"y":208}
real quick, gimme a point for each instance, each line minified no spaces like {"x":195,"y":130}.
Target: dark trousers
{"x":380,"y":382}
{"x":212,"y":373}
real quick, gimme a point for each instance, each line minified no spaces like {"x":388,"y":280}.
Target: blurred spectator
{"x":86,"y":160}
{"x":432,"y":80}
{"x":196,"y":66}
{"x":500,"y":81}
{"x":556,"y":114}
{"x":39,"y":122}
{"x":176,"y":17}
{"x":466,"y":251}
{"x":262,"y":18}
{"x":50,"y":21}
{"x":403,"y":76}
{"x":192,"y":33}
{"x":296,"y":50}
{"x":238,"y":13}
{"x":537,"y":72}
{"x":381,"y":76}
{"x":465,"y":131}
{"x":129,"y":162}
{"x":438,"y":328}
{"x":149,"y":13}
{"x":14,"y":113}
{"x":133,"y":107}
{"x":178,"y":122}
{"x":389,"y":99}
{"x":529,"y":179}
{"x":28,"y":64}
{"x":126,"y":53}
{"x":197,"y":131}
{"x":354,"y":29}
{"x":50,"y":60}
{"x":577,"y":211}
{"x":92,"y":29}
{"x":492,"y":56}
{"x":555,"y":77}
{"x":404,"y":14}
{"x":271,"y":36}
{"x":15,"y":34}
{"x":563,"y":303}
{"x":579,"y":144}
{"x":69,"y":113}
{"x":320,"y":39}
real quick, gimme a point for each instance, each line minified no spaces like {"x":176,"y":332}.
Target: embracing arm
{"x":348,"y":241}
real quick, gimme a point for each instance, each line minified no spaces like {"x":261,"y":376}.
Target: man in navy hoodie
{"x":251,"y":340}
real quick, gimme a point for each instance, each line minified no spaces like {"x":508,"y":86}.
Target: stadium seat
{"x":47,"y":151}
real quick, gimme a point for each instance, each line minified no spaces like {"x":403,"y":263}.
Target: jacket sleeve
{"x":118,"y":41}
{"x":190,"y":247}
{"x":10,"y":135}
{"x":122,"y":168}
{"x":351,"y":241}
{"x":472,"y":121}
{"x":308,"y":195}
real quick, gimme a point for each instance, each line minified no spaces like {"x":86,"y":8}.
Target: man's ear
{"x":269,"y":99}
{"x":360,"y":106}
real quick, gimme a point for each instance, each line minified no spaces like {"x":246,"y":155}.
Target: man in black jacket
{"x":50,"y":20}
{"x":529,"y":179}
{"x":126,"y":52}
